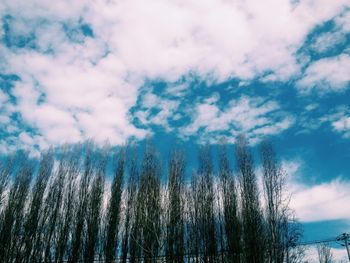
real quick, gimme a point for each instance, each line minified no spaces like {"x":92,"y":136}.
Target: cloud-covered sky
{"x":186,"y":70}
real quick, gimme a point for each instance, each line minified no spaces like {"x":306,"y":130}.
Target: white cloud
{"x":328,"y":40}
{"x":253,"y":116}
{"x":338,"y":119}
{"x":165,"y":110}
{"x":343,"y":126}
{"x":170,"y":38}
{"x":220,"y":37}
{"x":3,"y":97}
{"x":177,"y":90}
{"x":1,"y":22}
{"x":81,"y":100}
{"x":326,"y":75}
{"x":90,"y":86}
{"x":324,"y":201}
{"x":339,"y":254}
{"x":344,"y":21}
{"x":316,"y":202}
{"x":4,"y":120}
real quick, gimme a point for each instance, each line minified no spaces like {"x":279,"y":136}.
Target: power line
{"x":342,"y":239}
{"x":319,"y":241}
{"x":345,"y":238}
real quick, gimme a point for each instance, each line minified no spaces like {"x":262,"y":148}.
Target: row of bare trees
{"x":83,"y":203}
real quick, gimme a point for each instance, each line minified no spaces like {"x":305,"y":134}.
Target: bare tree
{"x":113,"y":212}
{"x":276,"y":201}
{"x":203,"y":222}
{"x":67,"y":215}
{"x":232,"y":221}
{"x":193,"y":224}
{"x":131,"y":193}
{"x":283,"y":230}
{"x":13,"y":213}
{"x":72,"y":166}
{"x":324,"y":254}
{"x":82,"y":201}
{"x":57,"y":214}
{"x":292,"y":235}
{"x":6,"y":166}
{"x":175,"y":209}
{"x":134,"y":207}
{"x":150,"y":205}
{"x":35,"y":206}
{"x":93,"y":216}
{"x":252,"y":220}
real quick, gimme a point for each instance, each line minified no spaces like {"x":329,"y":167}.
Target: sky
{"x":188,"y":71}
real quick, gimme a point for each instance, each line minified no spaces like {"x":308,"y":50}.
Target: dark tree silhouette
{"x":78,"y":209}
{"x":252,"y":221}
{"x":232,"y":221}
{"x":113,"y":213}
{"x":35,"y":207}
{"x":93,"y":217}
{"x":175,"y":209}
{"x":13,"y":213}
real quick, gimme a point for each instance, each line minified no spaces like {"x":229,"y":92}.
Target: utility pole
{"x":347,"y":245}
{"x":345,"y":238}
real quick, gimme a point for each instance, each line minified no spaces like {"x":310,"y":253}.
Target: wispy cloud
{"x":256,"y":117}
{"x":155,"y":110}
{"x":326,"y":75}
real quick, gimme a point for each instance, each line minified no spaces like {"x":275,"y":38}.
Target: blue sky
{"x":187,"y":71}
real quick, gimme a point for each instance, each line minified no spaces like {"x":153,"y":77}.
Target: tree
{"x":276,"y":203}
{"x":252,"y":220}
{"x":232,"y":221}
{"x":324,"y":254}
{"x":113,"y":212}
{"x":175,"y":209}
{"x":283,"y":231}
{"x":72,"y":163}
{"x":56,"y":216}
{"x":150,"y":205}
{"x":134,"y":207}
{"x":94,"y":208}
{"x":128,"y":244}
{"x":82,"y":202}
{"x":203,"y":229}
{"x":13,"y":212}
{"x":36,"y":205}
{"x":292,"y":235}
{"x":6,"y":166}
{"x":66,"y":215}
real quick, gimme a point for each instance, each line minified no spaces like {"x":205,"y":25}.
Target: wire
{"x":327,"y":240}
{"x":314,"y":242}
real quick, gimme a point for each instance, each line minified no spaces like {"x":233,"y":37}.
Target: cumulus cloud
{"x":328,"y":40}
{"x":317,"y":202}
{"x":320,"y":202}
{"x":155,"y":110}
{"x":338,"y":119}
{"x":3,"y":97}
{"x":343,"y":125}
{"x":343,"y":21}
{"x":254,"y":116}
{"x":326,"y":75}
{"x":81,"y":64}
